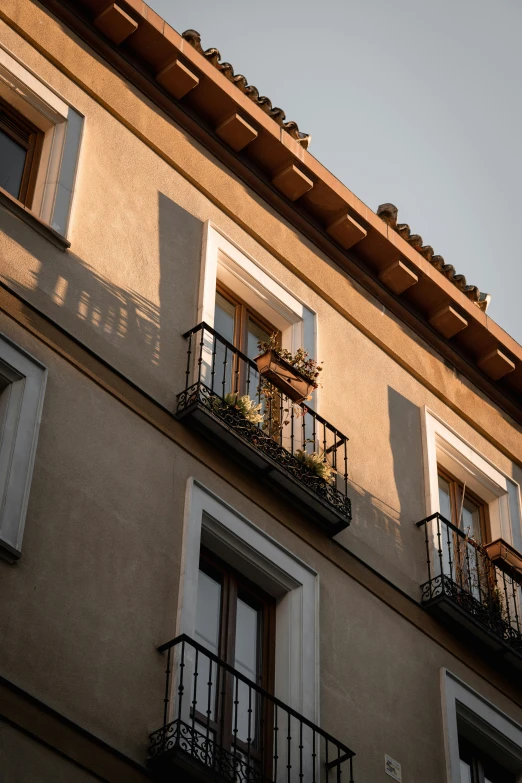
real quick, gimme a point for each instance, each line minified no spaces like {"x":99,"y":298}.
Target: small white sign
{"x":392,"y":768}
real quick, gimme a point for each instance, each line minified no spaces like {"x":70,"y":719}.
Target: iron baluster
{"x":224,"y":381}
{"x":450,"y":546}
{"x":276,"y":730}
{"x":289,"y":748}
{"x":236,"y":710}
{"x":249,"y":733}
{"x":189,"y":354}
{"x":200,"y":357}
{"x":181,"y":686}
{"x":479,"y":575}
{"x":194,"y":702}
{"x":301,"y":775}
{"x":314,"y":755}
{"x":166,"y":700}
{"x":439,"y":540}
{"x":213,"y":369}
{"x":209,"y":709}
{"x":236,"y":388}
{"x":468,"y":569}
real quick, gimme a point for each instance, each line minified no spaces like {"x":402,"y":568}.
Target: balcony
{"x":220,"y":726}
{"x":278,"y":446}
{"x":471,"y":591}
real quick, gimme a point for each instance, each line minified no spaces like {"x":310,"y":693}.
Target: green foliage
{"x":299,"y":360}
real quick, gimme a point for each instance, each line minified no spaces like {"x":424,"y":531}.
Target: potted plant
{"x":294,"y":374}
{"x":243,"y":404}
{"x":316,"y":464}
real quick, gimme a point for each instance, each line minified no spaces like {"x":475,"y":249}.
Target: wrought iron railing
{"x":229,"y":727}
{"x":217,"y":373}
{"x":460,"y":570}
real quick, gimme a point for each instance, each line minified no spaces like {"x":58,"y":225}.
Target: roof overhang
{"x":190,"y":88}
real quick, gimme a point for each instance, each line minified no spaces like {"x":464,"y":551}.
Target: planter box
{"x":505,"y":557}
{"x":284,"y":376}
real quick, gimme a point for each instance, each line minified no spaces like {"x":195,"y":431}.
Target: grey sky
{"x":408,"y":101}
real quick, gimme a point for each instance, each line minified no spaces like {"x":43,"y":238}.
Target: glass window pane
{"x":246,"y":639}
{"x":465,"y":772}
{"x":471,"y":520}
{"x":255,"y":336}
{"x":207,"y":634}
{"x":12,"y":161}
{"x":444,"y":499}
{"x":224,"y":318}
{"x":208,"y":611}
{"x":246,"y":661}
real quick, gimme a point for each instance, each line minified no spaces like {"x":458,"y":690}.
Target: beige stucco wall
{"x":23,"y":760}
{"x":128,"y":289}
{"x":96,"y":589}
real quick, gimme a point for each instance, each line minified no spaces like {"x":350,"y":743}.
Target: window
{"x":492,"y":504}
{"x":478,"y":767}
{"x":463,"y":508}
{"x":20,"y":143}
{"x":268,"y":305}
{"x":235,"y":621}
{"x":22,"y":386}
{"x":292,"y":584}
{"x":240,"y":324}
{"x":482,"y":743}
{"x":40,"y":138}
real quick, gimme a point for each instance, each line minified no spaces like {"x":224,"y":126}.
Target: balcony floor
{"x":449,"y":603}
{"x":272,"y":463}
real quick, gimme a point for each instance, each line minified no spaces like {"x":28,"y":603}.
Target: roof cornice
{"x":189,"y":87}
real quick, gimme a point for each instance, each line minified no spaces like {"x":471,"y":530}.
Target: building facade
{"x":206,"y":574}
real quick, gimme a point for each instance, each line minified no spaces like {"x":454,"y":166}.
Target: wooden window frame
{"x":243,"y":313}
{"x":234,"y":585}
{"x":30,"y":138}
{"x":456,"y":486}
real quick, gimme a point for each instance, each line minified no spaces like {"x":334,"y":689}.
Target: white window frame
{"x":443,"y":446}
{"x":62,"y":127}
{"x":462,"y":704}
{"x":294,"y":584}
{"x":23,"y":379}
{"x":225,"y":261}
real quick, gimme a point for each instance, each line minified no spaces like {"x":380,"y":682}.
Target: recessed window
{"x":240,"y":324}
{"x":20,"y":143}
{"x":235,"y":621}
{"x":477,"y":767}
{"x":22,"y":386}
{"x":463,"y":508}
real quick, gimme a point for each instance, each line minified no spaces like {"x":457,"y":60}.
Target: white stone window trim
{"x":23,"y":379}
{"x":462,"y":704}
{"x":294,"y":584}
{"x":442,"y":445}
{"x":62,"y":127}
{"x":224,"y":260}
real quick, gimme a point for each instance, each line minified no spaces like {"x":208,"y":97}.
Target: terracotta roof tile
{"x":389,"y":213}
{"x":240,"y":81}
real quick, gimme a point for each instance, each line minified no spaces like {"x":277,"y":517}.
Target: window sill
{"x":13,"y":205}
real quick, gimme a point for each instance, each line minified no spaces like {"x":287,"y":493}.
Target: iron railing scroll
{"x":217,"y":373}
{"x":234,"y":731}
{"x":460,"y":570}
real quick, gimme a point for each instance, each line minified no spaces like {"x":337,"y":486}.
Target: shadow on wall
{"x":69,"y":290}
{"x":390,"y":539}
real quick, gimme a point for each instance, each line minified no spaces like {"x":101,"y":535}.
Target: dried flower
{"x":317,"y":464}
{"x":245,"y":405}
